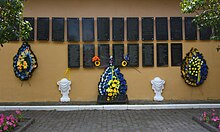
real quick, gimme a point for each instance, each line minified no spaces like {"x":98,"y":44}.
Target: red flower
{"x":95,"y":58}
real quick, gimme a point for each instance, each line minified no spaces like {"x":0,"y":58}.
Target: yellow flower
{"x":25,"y":65}
{"x":20,"y":66}
{"x":107,"y":89}
{"x":109,"y":83}
{"x":115,"y":91}
{"x":22,"y":54}
{"x":116,"y":82}
{"x":114,"y":85}
{"x":124,"y":63}
{"x":114,"y":77}
{"x":109,"y":94}
{"x":97,"y":63}
{"x":18,"y":63}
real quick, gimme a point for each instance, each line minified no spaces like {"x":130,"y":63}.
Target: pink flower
{"x":5,"y":128}
{"x":204,"y":114}
{"x":8,"y":118}
{"x":14,"y":125}
{"x":1,"y":121}
{"x":0,"y":130}
{"x":213,"y":113}
{"x":18,"y":112}
{"x":9,"y":123}
{"x":215,"y":119}
{"x":219,"y":126}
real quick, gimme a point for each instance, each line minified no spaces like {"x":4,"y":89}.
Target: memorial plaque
{"x":88,"y":54}
{"x":88,"y":29}
{"x":58,"y":29}
{"x":161,"y":28}
{"x":103,"y":29}
{"x":190,"y":29}
{"x":162,"y":54}
{"x":205,"y":33}
{"x":118,"y":54}
{"x":147,"y":28}
{"x":147,"y":55}
{"x":73,"y":29}
{"x":73,"y":55}
{"x":132,"y":28}
{"x":118,"y":29}
{"x":176,"y":54}
{"x":103,"y":53}
{"x":133,"y":52}
{"x":43,"y":28}
{"x":176,"y":28}
{"x":31,"y":21}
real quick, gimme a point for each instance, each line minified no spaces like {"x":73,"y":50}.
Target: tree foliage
{"x":207,"y":14}
{"x":12,"y":24}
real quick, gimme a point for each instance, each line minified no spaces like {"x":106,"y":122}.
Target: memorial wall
{"x":68,"y":34}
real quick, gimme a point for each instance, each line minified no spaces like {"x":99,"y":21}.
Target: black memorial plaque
{"x":133,"y":52}
{"x":118,"y":29}
{"x":176,"y":28}
{"x":147,"y":55}
{"x":118,"y":54}
{"x":103,"y":29}
{"x":73,"y":55}
{"x":162,"y":54}
{"x":205,"y":33}
{"x":88,"y":54}
{"x":132,"y":28}
{"x":103,"y":53}
{"x":73,"y":29}
{"x":31,"y":21}
{"x":176,"y":54}
{"x":147,"y":28}
{"x":57,"y":29}
{"x":190,"y":29}
{"x":161,"y":28}
{"x":43,"y":28}
{"x":88,"y":29}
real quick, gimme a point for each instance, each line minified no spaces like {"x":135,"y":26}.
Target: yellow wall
{"x":52,"y":57}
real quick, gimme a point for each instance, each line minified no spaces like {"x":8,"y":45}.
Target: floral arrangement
{"x":8,"y":123}
{"x":96,"y":61}
{"x":212,"y":118}
{"x":124,"y":63}
{"x":194,"y":69}
{"x":24,"y":62}
{"x":112,"y":82}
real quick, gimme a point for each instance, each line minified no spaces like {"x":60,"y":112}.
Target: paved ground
{"x":115,"y":121}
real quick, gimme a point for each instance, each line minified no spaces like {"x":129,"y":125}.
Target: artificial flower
{"x":112,"y":83}
{"x":194,"y":69}
{"x":95,"y":58}
{"x":97,"y":63}
{"x":24,"y":62}
{"x":124,"y":63}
